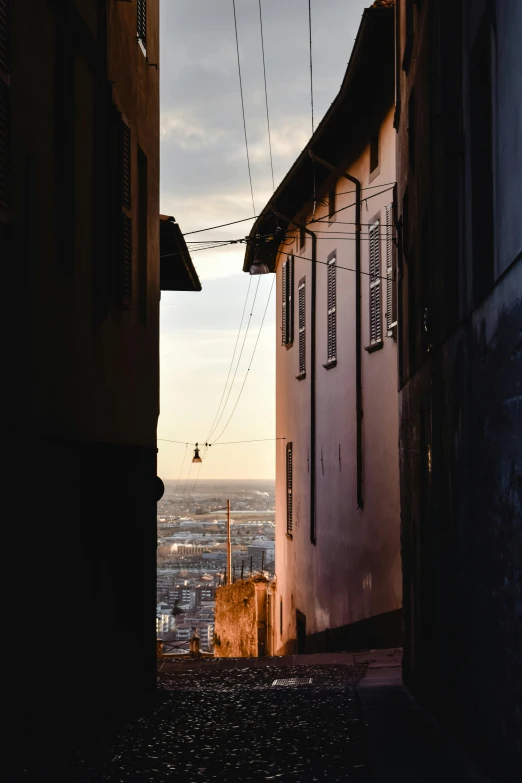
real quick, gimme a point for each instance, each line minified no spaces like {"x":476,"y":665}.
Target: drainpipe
{"x":358,"y":349}
{"x":312,"y":374}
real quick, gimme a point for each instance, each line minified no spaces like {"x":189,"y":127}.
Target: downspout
{"x":358,"y":347}
{"x":305,"y":228}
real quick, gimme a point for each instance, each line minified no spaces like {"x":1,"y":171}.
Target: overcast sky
{"x":204,"y":182}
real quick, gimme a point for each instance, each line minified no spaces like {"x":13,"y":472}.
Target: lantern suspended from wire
{"x":196,"y":457}
{"x":259,"y":268}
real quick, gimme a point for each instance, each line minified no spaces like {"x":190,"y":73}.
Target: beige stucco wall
{"x":354,"y":570}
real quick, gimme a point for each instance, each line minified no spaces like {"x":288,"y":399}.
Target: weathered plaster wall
{"x":236,"y":621}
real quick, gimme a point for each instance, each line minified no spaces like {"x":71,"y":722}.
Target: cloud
{"x":204,"y":182}
{"x":185,"y":134}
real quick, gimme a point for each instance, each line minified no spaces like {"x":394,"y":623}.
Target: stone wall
{"x":236,"y":621}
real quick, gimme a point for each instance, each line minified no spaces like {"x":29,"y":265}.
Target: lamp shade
{"x":196,"y":457}
{"x":259,"y":268}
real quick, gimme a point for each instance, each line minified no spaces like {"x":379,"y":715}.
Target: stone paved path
{"x":234,"y":724}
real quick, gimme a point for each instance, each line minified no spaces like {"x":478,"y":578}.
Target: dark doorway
{"x":301,"y":632}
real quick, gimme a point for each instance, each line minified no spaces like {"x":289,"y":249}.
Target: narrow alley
{"x":262,"y":357}
{"x":330,"y":717}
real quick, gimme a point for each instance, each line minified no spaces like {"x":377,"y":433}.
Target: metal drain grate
{"x":293,"y":681}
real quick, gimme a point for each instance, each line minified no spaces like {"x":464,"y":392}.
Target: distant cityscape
{"x":191,"y":551}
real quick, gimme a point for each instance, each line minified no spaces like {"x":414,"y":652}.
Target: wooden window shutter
{"x":375,"y":285}
{"x":125,"y":165}
{"x":283,"y":304}
{"x":126,"y":260}
{"x":287,"y":310}
{"x":302,"y":328}
{"x":391,"y":322}
{"x":289,"y":488}
{"x":4,"y":36}
{"x":124,"y":281}
{"x":142,"y":21}
{"x":332,"y":314}
{"x":290,"y":299}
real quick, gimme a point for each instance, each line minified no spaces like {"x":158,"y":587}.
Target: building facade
{"x":80,"y":246}
{"x":459,"y":155}
{"x":338,"y":569}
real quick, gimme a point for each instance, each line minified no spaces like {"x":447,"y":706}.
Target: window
{"x":280,"y":616}
{"x":331,"y":291}
{"x":411,"y":130}
{"x":289,"y":488}
{"x":302,"y":238}
{"x":374,"y":153}
{"x":125,"y":254}
{"x":142,"y":233}
{"x":302,"y":328}
{"x":142,"y":22}
{"x":331,"y":204}
{"x":287,"y":310}
{"x":375,"y":285}
{"x":391,"y":315}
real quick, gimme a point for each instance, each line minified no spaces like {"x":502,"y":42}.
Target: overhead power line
{"x":232,"y":360}
{"x":225,"y":443}
{"x":238,"y":361}
{"x":337,"y":266}
{"x":254,"y":217}
{"x":266,"y":97}
{"x":250,"y":364}
{"x":243,"y":105}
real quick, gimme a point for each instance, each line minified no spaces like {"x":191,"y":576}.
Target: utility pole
{"x":229,"y":548}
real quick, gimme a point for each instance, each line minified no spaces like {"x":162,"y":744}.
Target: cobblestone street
{"x":331,"y":717}
{"x":239,"y":725}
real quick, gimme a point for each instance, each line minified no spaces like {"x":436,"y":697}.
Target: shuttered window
{"x":287,"y":309}
{"x":332,"y":311}
{"x":375,"y":285}
{"x":302,"y":328}
{"x":142,"y":21}
{"x":125,"y":241}
{"x":391,"y":317}
{"x":5,"y":100}
{"x":126,"y":166}
{"x":289,"y":488}
{"x":4,"y":36}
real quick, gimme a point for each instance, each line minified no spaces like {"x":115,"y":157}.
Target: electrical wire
{"x":197,"y":249}
{"x":250,"y":364}
{"x":328,"y":217}
{"x":181,"y":471}
{"x":338,"y":266}
{"x":312,"y":105}
{"x":238,"y":361}
{"x":186,"y":482}
{"x":232,"y":360}
{"x":254,"y":217}
{"x":243,"y":105}
{"x":226,"y":443}
{"x":266,"y":98}
{"x":222,"y":225}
